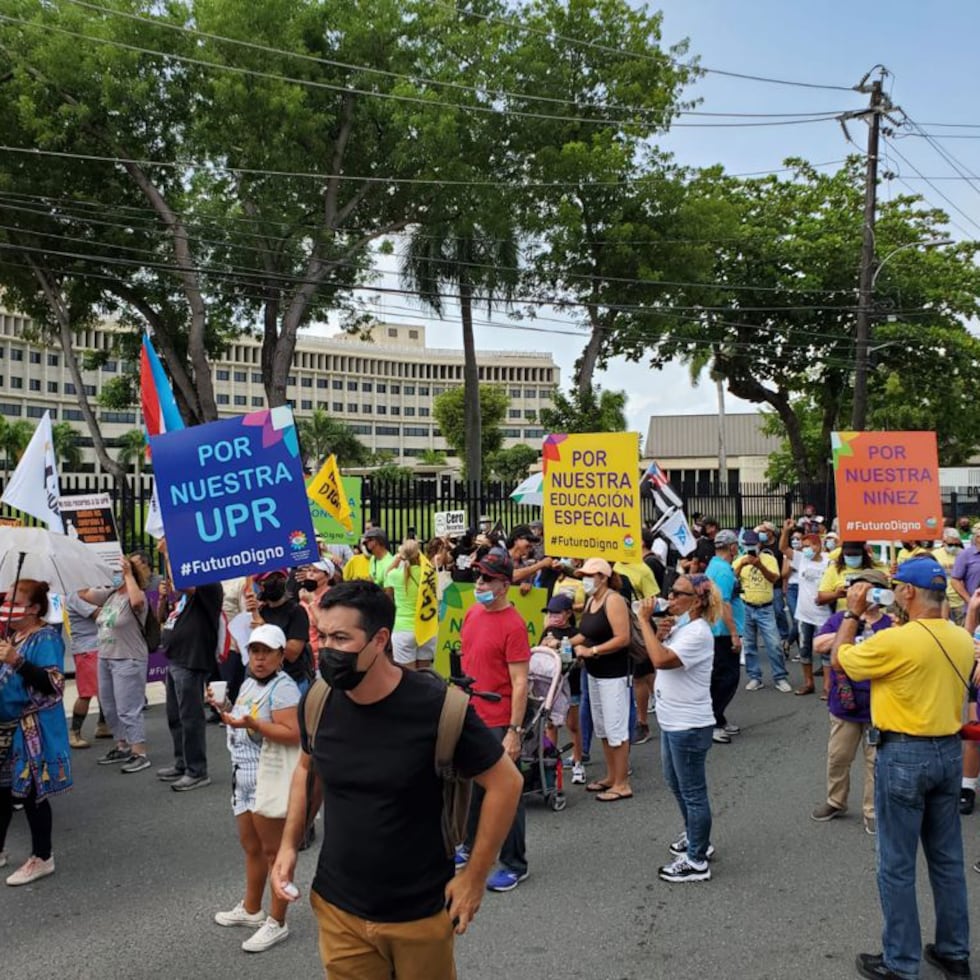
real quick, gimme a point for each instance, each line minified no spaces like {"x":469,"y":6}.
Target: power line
{"x":458,"y":86}
{"x":389,"y":96}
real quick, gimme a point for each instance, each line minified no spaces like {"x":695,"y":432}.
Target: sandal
{"x":823,"y":696}
{"x":805,"y":689}
{"x":598,"y":787}
{"x":611,"y":796}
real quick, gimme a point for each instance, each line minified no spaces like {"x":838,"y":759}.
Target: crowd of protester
{"x":667,"y":637}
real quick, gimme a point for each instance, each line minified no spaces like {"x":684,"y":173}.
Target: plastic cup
{"x":219,"y":691}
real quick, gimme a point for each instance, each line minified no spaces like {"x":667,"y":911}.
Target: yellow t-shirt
{"x":357,"y":567}
{"x":904,"y":554}
{"x":915,"y":689}
{"x":757,"y":590}
{"x":641,"y":578}
{"x":945,"y":559}
{"x":572,"y":587}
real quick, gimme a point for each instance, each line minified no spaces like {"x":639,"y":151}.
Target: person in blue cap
{"x":919,"y":674}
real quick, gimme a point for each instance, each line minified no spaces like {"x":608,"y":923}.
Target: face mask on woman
{"x":588,"y":585}
{"x":808,"y":553}
{"x":272,"y":591}
{"x":555,"y":621}
{"x":117,"y":579}
{"x":853,"y":561}
{"x":763,"y":537}
{"x":796,"y":544}
{"x":952,"y":549}
{"x":682,"y":620}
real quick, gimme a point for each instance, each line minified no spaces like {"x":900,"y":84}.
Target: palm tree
{"x":67,"y":450}
{"x":14,"y":437}
{"x":132,"y":449}
{"x":470,"y":254}
{"x":320,"y":435}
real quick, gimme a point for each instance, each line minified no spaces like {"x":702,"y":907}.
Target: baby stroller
{"x":547,"y":700}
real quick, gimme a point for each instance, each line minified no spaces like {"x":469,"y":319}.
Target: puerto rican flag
{"x":657,"y":476}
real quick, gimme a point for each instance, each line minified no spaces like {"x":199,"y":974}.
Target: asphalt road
{"x":141,"y":871}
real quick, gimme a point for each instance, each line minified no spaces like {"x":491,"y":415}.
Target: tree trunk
{"x":585,"y":369}
{"x":471,"y":387}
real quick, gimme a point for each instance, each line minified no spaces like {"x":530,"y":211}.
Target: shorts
{"x":87,"y":674}
{"x":406,"y":651}
{"x":609,"y":699}
{"x":244,"y":779}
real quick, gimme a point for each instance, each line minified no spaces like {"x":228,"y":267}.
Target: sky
{"x":929,"y":50}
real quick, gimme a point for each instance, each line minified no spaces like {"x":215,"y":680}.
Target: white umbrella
{"x":530,"y":491}
{"x":65,"y":563}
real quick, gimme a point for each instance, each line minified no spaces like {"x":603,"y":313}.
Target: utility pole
{"x":722,"y":454}
{"x":862,"y":335}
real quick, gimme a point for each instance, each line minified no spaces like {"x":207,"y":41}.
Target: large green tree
{"x":449,"y":410}
{"x":777,"y":321}
{"x":594,"y":410}
{"x":320,"y":435}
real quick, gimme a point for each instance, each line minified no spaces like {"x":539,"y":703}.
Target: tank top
{"x":596,"y":629}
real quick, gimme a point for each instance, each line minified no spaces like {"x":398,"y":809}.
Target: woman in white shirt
{"x":682,"y":652}
{"x":809,"y":564}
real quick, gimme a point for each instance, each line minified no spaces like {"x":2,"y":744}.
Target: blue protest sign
{"x":233,"y":497}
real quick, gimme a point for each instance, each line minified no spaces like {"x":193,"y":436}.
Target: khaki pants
{"x":355,"y":949}
{"x":846,"y":737}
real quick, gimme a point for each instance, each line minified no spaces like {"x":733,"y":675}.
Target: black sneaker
{"x":188,"y":782}
{"x":136,"y":763}
{"x":642,"y":735}
{"x":169,"y":774}
{"x":872,"y":966}
{"x":682,"y":870}
{"x":968,"y":798}
{"x":951,"y":969}
{"x":114,"y":756}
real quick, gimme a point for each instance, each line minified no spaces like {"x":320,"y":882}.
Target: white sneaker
{"x":239,"y":917}
{"x":578,"y":773}
{"x":270,"y":934}
{"x":32,"y":869}
{"x":720,"y":736}
{"x":784,"y":685}
{"x":754,"y":685}
{"x":732,"y":729}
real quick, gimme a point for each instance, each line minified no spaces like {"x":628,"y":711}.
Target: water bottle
{"x":566,"y":651}
{"x":976,"y":642}
{"x":880,"y":597}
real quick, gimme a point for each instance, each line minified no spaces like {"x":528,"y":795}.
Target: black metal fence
{"x":408,"y":506}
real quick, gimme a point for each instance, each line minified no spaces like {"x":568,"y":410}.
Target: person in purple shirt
{"x":849,"y":703}
{"x":965,"y":574}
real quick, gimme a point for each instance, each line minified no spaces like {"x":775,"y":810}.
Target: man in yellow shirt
{"x":919,"y":674}
{"x":757,"y":574}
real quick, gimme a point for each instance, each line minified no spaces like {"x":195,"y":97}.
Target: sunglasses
{"x":673,"y":593}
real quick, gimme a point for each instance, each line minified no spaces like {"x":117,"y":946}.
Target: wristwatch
{"x":516,"y":729}
{"x":594,"y":652}
{"x":851,"y":615}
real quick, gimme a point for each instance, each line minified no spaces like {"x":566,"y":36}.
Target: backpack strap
{"x":451,"y":719}
{"x":316,"y":701}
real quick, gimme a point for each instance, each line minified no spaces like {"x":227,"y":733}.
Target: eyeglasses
{"x":673,"y":593}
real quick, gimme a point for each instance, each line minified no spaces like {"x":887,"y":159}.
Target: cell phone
{"x":874,"y":735}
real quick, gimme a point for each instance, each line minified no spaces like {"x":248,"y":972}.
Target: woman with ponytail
{"x":411,"y":583}
{"x":681,"y":649}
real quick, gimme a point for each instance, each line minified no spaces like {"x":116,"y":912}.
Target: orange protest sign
{"x":887,"y":485}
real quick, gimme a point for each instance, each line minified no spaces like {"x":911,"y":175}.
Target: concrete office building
{"x":382,"y":388}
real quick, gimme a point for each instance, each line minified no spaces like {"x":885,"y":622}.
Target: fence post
{"x":954,"y":506}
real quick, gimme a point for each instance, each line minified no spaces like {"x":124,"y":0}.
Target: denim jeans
{"x":683,"y":755}
{"x":917,"y":789}
{"x":792,"y":595}
{"x":807,"y":633}
{"x":513,"y":855}
{"x":185,"y":717}
{"x":760,"y":625}
{"x":779,"y":608}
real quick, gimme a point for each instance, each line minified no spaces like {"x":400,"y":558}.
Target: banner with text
{"x":887,"y":485}
{"x":233,"y":497}
{"x":331,"y":530}
{"x":450,"y":523}
{"x":327,"y":490}
{"x":592,"y":495}
{"x":89,"y":518}
{"x":457,"y":597}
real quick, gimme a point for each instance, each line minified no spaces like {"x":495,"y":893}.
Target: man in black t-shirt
{"x":275,"y":606}
{"x":384,"y":893}
{"x":189,"y":637}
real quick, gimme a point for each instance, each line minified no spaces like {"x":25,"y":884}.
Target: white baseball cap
{"x":269,"y":636}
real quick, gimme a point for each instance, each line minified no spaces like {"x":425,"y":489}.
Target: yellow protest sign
{"x":327,"y":490}
{"x":426,"y":603}
{"x":592,"y":495}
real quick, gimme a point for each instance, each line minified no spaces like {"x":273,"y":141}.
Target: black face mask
{"x":339,"y":667}
{"x":308,"y":584}
{"x":272,"y":591}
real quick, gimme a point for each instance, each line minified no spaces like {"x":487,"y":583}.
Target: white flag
{"x":33,"y":486}
{"x":671,"y":501}
{"x":675,"y":529}
{"x":154,"y":516}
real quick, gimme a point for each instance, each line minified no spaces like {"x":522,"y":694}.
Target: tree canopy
{"x":449,"y":410}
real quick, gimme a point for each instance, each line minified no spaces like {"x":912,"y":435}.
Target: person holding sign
{"x":411,"y":585}
{"x":603,"y":644}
